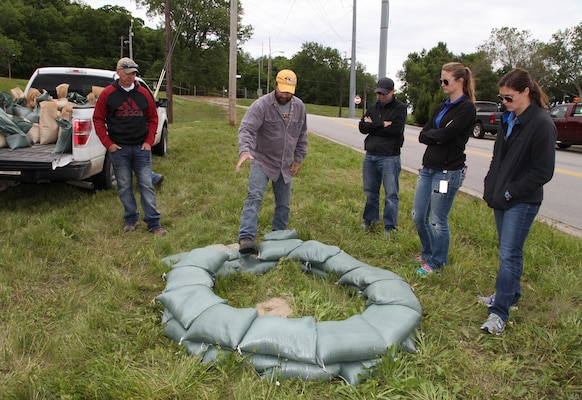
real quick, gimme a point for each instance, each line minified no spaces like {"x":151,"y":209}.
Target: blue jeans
{"x":378,"y":170}
{"x":430,"y":213}
{"x":256,"y":190}
{"x":513,"y":227}
{"x":128,"y":159}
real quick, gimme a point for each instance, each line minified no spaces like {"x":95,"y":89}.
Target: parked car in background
{"x":487,"y":118}
{"x":568,"y":120}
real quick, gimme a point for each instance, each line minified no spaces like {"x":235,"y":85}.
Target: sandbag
{"x":273,"y":250}
{"x":185,"y":276}
{"x":314,"y":252}
{"x":65,"y":139}
{"x":62,"y":90}
{"x":353,"y":339}
{"x":207,"y":258}
{"x":294,"y":338}
{"x":221,"y":325}
{"x":188,"y":302}
{"x":49,"y":128}
{"x":363,"y":276}
{"x":393,"y":292}
{"x":340,"y":264}
{"x":23,"y":124}
{"x":34,"y":133}
{"x":392,"y":322}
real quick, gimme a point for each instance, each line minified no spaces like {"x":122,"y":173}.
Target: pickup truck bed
{"x":38,"y":163}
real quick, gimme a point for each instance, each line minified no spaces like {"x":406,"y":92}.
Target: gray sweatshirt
{"x":274,"y":143}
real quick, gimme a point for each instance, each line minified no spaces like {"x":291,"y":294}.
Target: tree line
{"x":64,"y":33}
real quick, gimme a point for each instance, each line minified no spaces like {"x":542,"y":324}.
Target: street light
{"x":269,"y":68}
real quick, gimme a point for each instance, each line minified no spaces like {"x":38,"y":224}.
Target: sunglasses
{"x":444,"y":82}
{"x":127,"y":65}
{"x":508,"y":98}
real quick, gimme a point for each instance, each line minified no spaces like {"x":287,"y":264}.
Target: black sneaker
{"x":247,"y":246}
{"x":158,"y":185}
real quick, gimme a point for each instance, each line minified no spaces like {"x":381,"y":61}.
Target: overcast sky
{"x":413,"y":25}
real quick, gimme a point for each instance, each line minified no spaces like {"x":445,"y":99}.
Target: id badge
{"x":443,"y":186}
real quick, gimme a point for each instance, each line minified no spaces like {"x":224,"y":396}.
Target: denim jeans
{"x":258,"y":181}
{"x":378,"y":170}
{"x":430,"y":213}
{"x":513,"y":227}
{"x":128,"y":159}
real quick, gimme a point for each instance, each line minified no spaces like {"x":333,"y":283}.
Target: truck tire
{"x":105,"y":180}
{"x":563,"y":145}
{"x":478,"y":131}
{"x":161,"y":148}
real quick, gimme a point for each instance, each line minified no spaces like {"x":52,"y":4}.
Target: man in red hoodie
{"x":125,"y":121}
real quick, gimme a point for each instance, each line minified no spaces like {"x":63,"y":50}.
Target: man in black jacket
{"x":384,"y":123}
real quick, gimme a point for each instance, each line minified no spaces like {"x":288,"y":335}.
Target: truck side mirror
{"x":163,"y":102}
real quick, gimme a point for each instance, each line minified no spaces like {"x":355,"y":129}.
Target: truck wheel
{"x":105,"y":180}
{"x":563,"y":145}
{"x":478,"y":131}
{"x":161,"y":148}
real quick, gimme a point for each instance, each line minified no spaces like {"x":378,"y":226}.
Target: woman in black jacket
{"x":443,"y":165}
{"x":523,"y":161}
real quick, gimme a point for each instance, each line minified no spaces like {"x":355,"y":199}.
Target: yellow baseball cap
{"x":286,"y":81}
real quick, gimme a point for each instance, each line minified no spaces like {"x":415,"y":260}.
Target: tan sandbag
{"x":91,"y":98}
{"x":49,"y":129}
{"x":96,"y":90}
{"x":67,"y":111}
{"x":31,"y":98}
{"x":61,"y":102}
{"x":3,"y":141}
{"x":34,"y":133}
{"x":17,"y":93}
{"x":62,"y":90}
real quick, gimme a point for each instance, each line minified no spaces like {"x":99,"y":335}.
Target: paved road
{"x":562,"y":205}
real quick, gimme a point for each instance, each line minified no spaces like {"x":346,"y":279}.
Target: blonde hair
{"x":460,"y":71}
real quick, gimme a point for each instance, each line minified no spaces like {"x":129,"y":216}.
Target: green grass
{"x":79,"y":320}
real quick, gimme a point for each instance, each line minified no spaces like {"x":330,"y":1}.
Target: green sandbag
{"x":293,"y":338}
{"x":65,"y":140}
{"x":354,"y":372}
{"x":282,"y":235}
{"x":392,"y":322}
{"x":314,"y":252}
{"x":292,"y":369}
{"x":76,"y":98}
{"x":19,"y":140}
{"x":207,"y":258}
{"x":180,"y":277}
{"x":221,"y":325}
{"x":6,"y":102}
{"x":392,"y":292}
{"x":340,"y":264}
{"x":174,"y":330}
{"x":273,"y":250}
{"x":195,"y":349}
{"x":248,"y":264}
{"x":364,"y":276}
{"x":7,"y":126}
{"x":22,"y":124}
{"x":188,"y":302}
{"x":353,"y":339}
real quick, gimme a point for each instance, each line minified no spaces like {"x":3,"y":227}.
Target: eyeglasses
{"x":444,"y":82}
{"x":508,"y":98}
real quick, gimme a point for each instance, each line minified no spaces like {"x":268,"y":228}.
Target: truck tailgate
{"x":33,"y":157}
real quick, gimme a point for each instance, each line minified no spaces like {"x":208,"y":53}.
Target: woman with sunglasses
{"x":443,"y":165}
{"x":523,"y":161}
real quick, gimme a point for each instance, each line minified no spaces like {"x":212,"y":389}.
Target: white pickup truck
{"x":88,"y":165}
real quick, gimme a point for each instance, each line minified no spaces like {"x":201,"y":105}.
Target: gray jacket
{"x":273,"y":144}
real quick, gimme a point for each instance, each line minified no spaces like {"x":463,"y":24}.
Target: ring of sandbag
{"x":288,"y":347}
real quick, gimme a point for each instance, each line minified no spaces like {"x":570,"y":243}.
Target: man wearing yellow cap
{"x":273,"y":136}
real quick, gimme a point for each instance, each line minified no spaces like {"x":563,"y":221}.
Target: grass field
{"x":79,"y":320}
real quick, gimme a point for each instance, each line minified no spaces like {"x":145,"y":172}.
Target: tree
{"x":421,"y":79}
{"x":565,"y":52}
{"x":508,"y":48}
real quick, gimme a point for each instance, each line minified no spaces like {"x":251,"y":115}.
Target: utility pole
{"x":383,"y":38}
{"x":232,"y":63}
{"x":130,"y":39}
{"x":352,"y":104}
{"x":169,"y":83}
